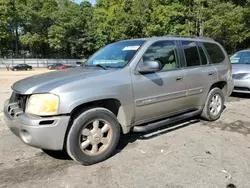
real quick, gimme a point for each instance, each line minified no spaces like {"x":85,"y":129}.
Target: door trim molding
{"x":195,"y":91}
{"x":160,"y":98}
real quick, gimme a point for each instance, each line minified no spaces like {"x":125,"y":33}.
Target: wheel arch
{"x":221,"y":85}
{"x":112,"y":104}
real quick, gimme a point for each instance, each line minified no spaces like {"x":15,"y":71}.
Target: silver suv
{"x":126,"y":86}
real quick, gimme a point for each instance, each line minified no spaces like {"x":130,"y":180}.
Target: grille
{"x":17,"y":104}
{"x":241,"y":88}
{"x":239,"y":76}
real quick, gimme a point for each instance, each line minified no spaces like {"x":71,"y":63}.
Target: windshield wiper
{"x":102,"y":66}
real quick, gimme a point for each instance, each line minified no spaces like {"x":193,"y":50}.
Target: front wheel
{"x":214,"y":105}
{"x":93,"y":136}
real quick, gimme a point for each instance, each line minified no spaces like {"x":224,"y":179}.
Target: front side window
{"x":191,"y":53}
{"x":116,"y":55}
{"x":215,"y":52}
{"x":241,"y":58}
{"x":164,"y":52}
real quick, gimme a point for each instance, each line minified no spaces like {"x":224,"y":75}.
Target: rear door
{"x":199,"y":74}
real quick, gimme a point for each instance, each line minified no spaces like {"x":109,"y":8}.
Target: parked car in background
{"x":78,"y":64}
{"x":21,"y":67}
{"x":64,"y":67}
{"x":241,"y":71}
{"x":54,"y":66}
{"x":134,"y":85}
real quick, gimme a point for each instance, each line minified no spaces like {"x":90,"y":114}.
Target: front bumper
{"x":45,"y":133}
{"x":242,"y":86}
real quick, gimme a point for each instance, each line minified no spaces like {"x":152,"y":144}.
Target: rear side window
{"x":202,"y":56}
{"x":215,"y":52}
{"x":191,"y":53}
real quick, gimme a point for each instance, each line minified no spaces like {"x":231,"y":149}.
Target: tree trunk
{"x":16,"y":41}
{"x":200,"y":21}
{"x":189,"y":19}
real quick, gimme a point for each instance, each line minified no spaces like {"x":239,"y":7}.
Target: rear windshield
{"x":215,"y":52}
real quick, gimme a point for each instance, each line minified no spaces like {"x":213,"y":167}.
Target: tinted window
{"x":202,"y":56}
{"x":191,"y":53}
{"x":164,"y":52}
{"x":215,"y":52}
{"x":241,"y":57}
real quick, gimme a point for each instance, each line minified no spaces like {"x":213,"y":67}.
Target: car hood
{"x":241,"y":68}
{"x":48,"y":81}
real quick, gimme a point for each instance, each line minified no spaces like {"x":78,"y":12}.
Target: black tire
{"x":206,"y":113}
{"x":80,"y":123}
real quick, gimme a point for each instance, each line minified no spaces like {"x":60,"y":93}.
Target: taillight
{"x":231,"y":67}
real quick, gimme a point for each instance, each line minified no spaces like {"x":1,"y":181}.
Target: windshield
{"x":241,"y":58}
{"x":116,"y":55}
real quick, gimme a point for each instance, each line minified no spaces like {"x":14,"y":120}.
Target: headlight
{"x":43,"y":104}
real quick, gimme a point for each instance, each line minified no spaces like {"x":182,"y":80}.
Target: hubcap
{"x":215,"y":105}
{"x":95,"y":137}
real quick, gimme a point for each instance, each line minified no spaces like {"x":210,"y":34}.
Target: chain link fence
{"x":39,"y":63}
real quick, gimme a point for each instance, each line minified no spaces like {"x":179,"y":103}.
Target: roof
{"x":176,"y":37}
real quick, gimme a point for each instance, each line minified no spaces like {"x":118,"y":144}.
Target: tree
{"x":224,"y":26}
{"x":64,"y":29}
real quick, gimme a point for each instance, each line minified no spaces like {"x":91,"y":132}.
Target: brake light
{"x":231,"y":67}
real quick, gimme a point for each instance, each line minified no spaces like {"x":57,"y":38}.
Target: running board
{"x":148,"y":127}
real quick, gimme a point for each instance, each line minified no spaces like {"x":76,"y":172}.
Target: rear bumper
{"x":242,"y":86}
{"x":44,"y":133}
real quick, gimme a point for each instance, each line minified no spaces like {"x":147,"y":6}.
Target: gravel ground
{"x":188,"y":154}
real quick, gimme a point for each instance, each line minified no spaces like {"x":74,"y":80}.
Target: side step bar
{"x":148,"y":127}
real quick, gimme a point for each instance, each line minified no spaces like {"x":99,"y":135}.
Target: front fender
{"x":70,"y":101}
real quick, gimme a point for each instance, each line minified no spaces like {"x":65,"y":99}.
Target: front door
{"x":162,"y":93}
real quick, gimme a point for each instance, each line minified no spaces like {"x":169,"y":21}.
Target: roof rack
{"x":185,"y":36}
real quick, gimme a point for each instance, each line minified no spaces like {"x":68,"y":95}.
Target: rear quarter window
{"x":215,"y":52}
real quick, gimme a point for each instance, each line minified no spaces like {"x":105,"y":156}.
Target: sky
{"x":91,"y":1}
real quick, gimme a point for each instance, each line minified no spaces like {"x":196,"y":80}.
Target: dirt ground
{"x":189,"y":154}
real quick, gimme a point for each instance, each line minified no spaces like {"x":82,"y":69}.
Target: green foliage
{"x":62,"y":28}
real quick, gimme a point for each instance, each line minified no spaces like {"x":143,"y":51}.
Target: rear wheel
{"x":94,"y":136}
{"x":214,"y":105}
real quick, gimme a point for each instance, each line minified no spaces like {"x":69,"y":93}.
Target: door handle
{"x":179,"y":78}
{"x":210,"y":73}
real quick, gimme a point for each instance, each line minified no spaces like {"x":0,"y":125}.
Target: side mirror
{"x":149,"y":67}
